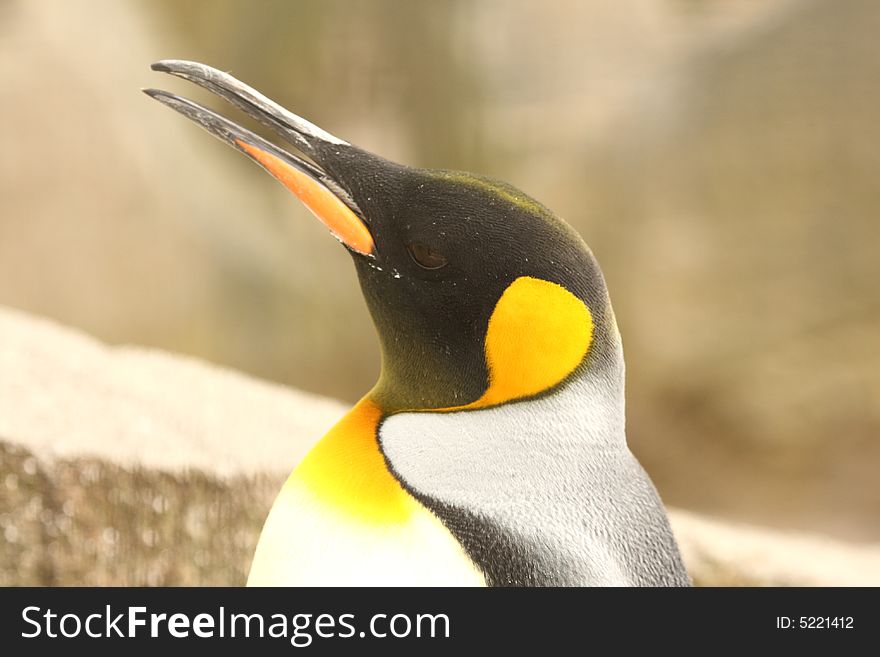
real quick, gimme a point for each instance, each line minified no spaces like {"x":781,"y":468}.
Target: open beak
{"x":325,"y":197}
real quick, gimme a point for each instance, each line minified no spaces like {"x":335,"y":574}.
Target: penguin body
{"x":492,"y":450}
{"x":579,"y":511}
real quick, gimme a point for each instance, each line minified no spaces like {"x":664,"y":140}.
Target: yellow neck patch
{"x":347,"y":470}
{"x":538,"y":334}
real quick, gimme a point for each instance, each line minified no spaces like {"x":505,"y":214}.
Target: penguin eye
{"x":426,"y":257}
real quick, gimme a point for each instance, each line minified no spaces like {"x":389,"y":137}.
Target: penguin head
{"x":480,"y":295}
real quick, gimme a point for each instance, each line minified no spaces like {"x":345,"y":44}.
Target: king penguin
{"x":492,"y":451}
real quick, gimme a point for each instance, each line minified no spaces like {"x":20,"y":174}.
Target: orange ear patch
{"x":538,"y":334}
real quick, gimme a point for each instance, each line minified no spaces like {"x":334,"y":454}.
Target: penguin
{"x":492,"y":450}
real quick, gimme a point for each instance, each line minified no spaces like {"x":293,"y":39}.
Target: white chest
{"x":308,"y":543}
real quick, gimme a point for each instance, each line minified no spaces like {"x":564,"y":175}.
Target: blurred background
{"x":721,"y":158}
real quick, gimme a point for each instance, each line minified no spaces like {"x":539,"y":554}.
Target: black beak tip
{"x":162,"y":96}
{"x":161,"y":66}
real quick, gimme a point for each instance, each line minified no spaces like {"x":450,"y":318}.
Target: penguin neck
{"x":591,"y":397}
{"x":592,"y":404}
{"x":586,"y":410}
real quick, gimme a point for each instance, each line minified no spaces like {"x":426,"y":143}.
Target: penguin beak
{"x":325,"y":197}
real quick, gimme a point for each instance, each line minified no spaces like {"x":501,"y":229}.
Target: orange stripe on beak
{"x":345,"y":225}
